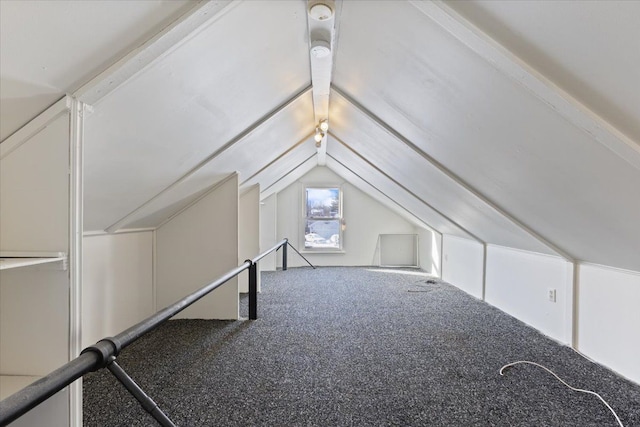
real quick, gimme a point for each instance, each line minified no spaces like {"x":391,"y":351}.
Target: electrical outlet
{"x":551,"y":295}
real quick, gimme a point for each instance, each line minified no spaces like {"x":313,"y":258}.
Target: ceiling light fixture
{"x":320,"y":48}
{"x":324,"y":125}
{"x":320,"y":12}
{"x":318,"y":137}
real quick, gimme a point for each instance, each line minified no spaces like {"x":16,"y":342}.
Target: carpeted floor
{"x":358,"y":347}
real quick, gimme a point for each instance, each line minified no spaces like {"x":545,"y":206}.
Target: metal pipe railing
{"x":105,"y":351}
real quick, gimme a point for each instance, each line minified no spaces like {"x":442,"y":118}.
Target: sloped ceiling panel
{"x":246,"y":156}
{"x":489,"y":131}
{"x":374,"y":193}
{"x":188,"y":104}
{"x":282,"y":165}
{"x":290,"y":177}
{"x":44,"y":54}
{"x":167,"y":204}
{"x":585,"y":47}
{"x":347,"y":160}
{"x":394,"y":158}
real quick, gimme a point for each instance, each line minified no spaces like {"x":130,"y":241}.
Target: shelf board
{"x":10,"y":384}
{"x":9,"y":259}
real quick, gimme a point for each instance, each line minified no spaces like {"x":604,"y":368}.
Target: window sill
{"x":323,"y":251}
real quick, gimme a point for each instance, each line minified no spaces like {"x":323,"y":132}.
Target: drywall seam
{"x":467,"y":187}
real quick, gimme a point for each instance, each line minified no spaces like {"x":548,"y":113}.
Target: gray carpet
{"x":358,"y":347}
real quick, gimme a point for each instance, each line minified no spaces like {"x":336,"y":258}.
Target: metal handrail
{"x":104,"y":352}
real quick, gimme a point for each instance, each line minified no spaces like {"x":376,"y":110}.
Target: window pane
{"x":322,"y":234}
{"x":323,"y":203}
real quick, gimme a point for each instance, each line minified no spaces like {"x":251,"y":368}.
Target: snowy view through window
{"x":323,"y":213}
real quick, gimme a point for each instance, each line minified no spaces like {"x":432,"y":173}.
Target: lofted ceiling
{"x":512,"y":123}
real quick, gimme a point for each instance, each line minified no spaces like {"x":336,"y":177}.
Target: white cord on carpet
{"x":563,"y":382}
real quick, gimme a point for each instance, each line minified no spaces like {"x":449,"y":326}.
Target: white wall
{"x":430,"y":243}
{"x":34,"y":201}
{"x":248,"y":231}
{"x":365,"y":219}
{"x":196,"y":247}
{"x":268,"y":231}
{"x":117,"y":280}
{"x":517,"y":282}
{"x":34,"y":314}
{"x":608,"y":318}
{"x":463,"y":264}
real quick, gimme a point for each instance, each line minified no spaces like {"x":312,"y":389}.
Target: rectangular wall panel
{"x":398,"y":250}
{"x":608,"y":325}
{"x":248,"y":231}
{"x":519,"y":283}
{"x":462,"y":264}
{"x":195,"y":248}
{"x":117,"y":282}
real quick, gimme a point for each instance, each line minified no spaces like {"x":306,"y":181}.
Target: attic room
{"x":483,"y":151}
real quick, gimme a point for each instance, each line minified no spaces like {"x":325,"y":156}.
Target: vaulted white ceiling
{"x":511,"y":123}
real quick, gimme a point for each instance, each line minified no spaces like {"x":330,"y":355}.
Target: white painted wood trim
{"x":203,"y":14}
{"x":76,"y":191}
{"x":571,"y":305}
{"x":124,"y":231}
{"x":517,"y":70}
{"x":41,"y":121}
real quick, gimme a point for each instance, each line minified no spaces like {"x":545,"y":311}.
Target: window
{"x":323,"y":218}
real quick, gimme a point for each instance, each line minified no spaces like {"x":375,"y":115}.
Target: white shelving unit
{"x":39,"y":258}
{"x":10,"y":259}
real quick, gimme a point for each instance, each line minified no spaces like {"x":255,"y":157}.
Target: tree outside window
{"x":323,"y":218}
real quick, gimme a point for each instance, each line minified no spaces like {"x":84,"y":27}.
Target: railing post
{"x":284,"y":256}
{"x":253,"y":291}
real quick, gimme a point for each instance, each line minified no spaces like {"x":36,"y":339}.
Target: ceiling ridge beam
{"x":391,"y":199}
{"x":174,"y":34}
{"x":536,"y":83}
{"x":255,"y":125}
{"x":467,"y":187}
{"x":438,"y":211}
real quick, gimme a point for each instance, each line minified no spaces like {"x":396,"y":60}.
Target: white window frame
{"x":339,"y":219}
